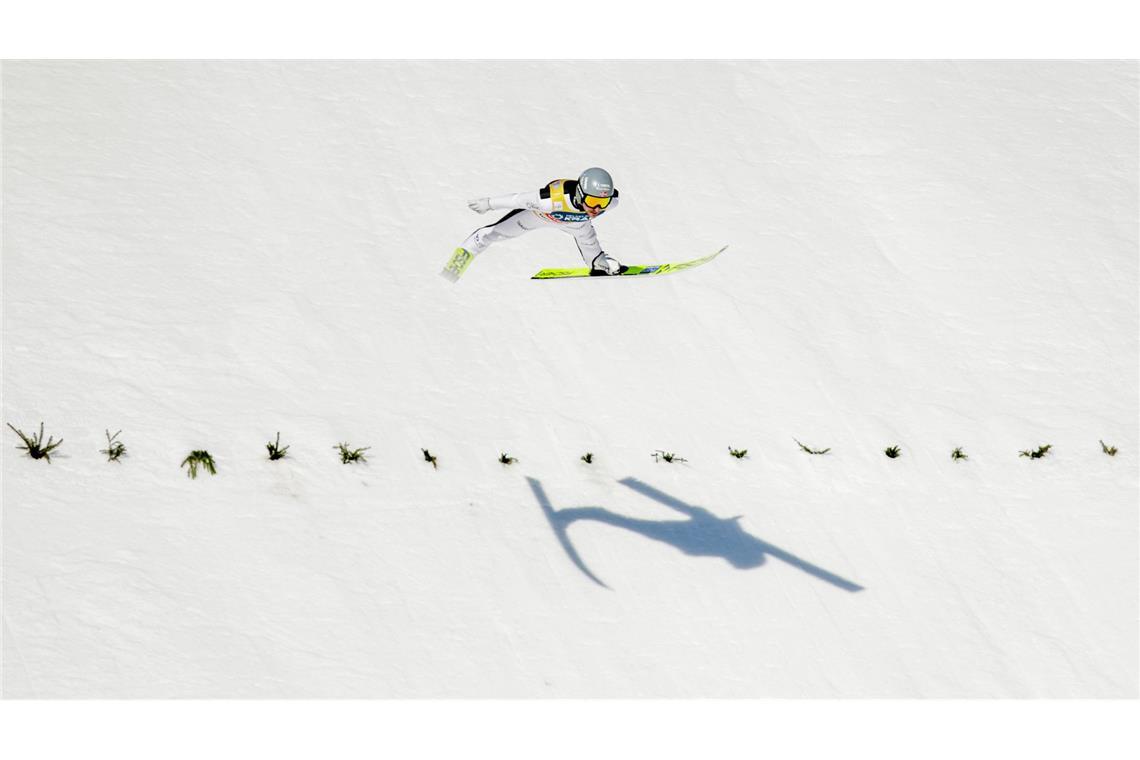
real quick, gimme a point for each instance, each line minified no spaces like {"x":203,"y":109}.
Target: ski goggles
{"x":593,"y":201}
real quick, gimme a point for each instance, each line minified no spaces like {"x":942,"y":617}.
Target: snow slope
{"x":927,"y":254}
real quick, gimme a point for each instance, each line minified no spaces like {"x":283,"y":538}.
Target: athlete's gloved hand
{"x":480,"y":205}
{"x":603,"y":264}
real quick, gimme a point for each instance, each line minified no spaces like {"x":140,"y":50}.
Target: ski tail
{"x":457,"y":264}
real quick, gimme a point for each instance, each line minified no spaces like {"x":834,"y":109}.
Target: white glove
{"x":606,"y":264}
{"x":480,"y":205}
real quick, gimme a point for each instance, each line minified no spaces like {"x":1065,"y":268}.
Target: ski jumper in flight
{"x":566,"y":204}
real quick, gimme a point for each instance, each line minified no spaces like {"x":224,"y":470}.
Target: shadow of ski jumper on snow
{"x":703,"y":534}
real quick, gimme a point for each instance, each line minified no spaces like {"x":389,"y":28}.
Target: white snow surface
{"x":928,"y":254}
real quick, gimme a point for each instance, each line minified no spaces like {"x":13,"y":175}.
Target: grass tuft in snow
{"x":957,"y":454}
{"x":893,"y":452}
{"x":588,"y":457}
{"x":667,"y":456}
{"x":810,"y":450}
{"x":196,"y":459}
{"x":115,"y":448}
{"x":738,"y":453}
{"x":349,"y":455}
{"x":1039,"y":453}
{"x":429,"y":457}
{"x":34,"y":444}
{"x":275,"y":450}
{"x":1110,"y":450}
{"x":504,"y":459}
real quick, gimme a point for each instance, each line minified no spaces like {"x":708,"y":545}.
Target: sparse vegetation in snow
{"x":1038,"y":453}
{"x":349,"y":455}
{"x":34,"y":444}
{"x":199,"y":458}
{"x":811,"y":450}
{"x":275,"y":450}
{"x":668,"y":456}
{"x":115,"y":447}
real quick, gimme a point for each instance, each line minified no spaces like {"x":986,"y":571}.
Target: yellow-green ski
{"x":633,"y":271}
{"x":457,"y":264}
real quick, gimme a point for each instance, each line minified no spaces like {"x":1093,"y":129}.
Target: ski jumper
{"x":552,"y":206}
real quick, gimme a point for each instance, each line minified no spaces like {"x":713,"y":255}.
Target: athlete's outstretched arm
{"x":532,"y":200}
{"x":587,"y":239}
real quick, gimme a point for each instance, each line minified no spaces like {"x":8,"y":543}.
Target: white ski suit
{"x":552,"y":206}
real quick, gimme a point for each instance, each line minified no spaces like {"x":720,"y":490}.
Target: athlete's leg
{"x":512,"y":225}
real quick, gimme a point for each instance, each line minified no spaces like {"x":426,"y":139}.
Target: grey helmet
{"x":596,"y":182}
